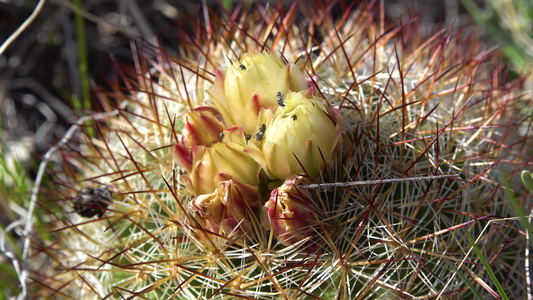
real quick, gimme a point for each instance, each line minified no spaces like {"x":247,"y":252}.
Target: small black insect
{"x":221,"y":135}
{"x":294,"y":117}
{"x":259,"y":135}
{"x":92,"y":201}
{"x":242,"y":67}
{"x":279,"y":99}
{"x":248,"y":137}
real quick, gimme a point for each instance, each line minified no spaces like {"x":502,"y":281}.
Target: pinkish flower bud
{"x":203,"y":126}
{"x":228,"y":207}
{"x":289,"y":213}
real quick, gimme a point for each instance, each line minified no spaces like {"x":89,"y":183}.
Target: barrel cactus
{"x":294,"y":154}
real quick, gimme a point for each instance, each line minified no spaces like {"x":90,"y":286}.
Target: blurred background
{"x":47,"y":73}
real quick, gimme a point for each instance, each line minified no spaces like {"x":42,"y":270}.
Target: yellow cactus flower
{"x":251,"y":85}
{"x":222,"y":161}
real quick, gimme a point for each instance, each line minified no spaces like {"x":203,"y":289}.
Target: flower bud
{"x":301,"y":136}
{"x":251,"y":85}
{"x":203,"y":126}
{"x":222,"y":161}
{"x":227,"y":208}
{"x":289,"y":213}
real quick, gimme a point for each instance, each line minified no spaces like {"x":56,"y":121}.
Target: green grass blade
{"x":527,"y":178}
{"x":85,"y":101}
{"x":465,"y":280}
{"x":515,"y":203}
{"x":227,"y":4}
{"x":487,"y":267}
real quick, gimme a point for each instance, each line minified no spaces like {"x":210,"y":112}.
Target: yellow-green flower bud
{"x":300,"y":137}
{"x":251,"y":85}
{"x":289,"y":213}
{"x":222,"y":161}
{"x":202,"y":126}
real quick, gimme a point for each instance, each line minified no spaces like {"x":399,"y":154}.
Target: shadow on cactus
{"x":291,"y":154}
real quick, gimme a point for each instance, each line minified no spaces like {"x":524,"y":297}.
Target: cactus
{"x":413,"y":137}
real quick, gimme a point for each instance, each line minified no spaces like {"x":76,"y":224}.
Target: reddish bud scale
{"x":183,"y":155}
